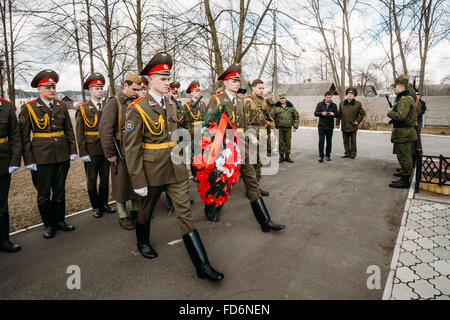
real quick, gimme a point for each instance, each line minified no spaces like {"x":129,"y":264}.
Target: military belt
{"x":91,"y":133}
{"x":196,"y":123}
{"x":400,"y":125}
{"x":48,"y":135}
{"x":3,"y":140}
{"x":155,"y":146}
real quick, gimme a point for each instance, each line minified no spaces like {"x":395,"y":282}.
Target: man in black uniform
{"x":10,"y":152}
{"x":47,"y":154}
{"x":90,"y":149}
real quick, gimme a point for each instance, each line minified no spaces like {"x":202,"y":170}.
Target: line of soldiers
{"x":131,"y":138}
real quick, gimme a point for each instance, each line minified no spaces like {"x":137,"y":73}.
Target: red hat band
{"x":159,"y":68}
{"x":46,"y":80}
{"x":193,"y":88}
{"x":143,"y":84}
{"x":95,"y":82}
{"x":174,"y":89}
{"x":232,"y":75}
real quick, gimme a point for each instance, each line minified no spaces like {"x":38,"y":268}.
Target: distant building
{"x":307,"y":89}
{"x":68,"y":101}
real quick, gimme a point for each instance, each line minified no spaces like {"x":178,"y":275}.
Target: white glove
{"x":142,"y":191}
{"x":73,"y":157}
{"x":12,"y":169}
{"x":86,"y":158}
{"x":31,"y":167}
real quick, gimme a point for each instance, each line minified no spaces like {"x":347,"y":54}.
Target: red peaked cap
{"x":45,"y":77}
{"x":94,"y":80}
{"x":193,"y":85}
{"x":233,"y":72}
{"x":161,"y":63}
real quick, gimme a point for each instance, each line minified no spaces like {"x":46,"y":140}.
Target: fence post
{"x":418,"y":171}
{"x":441,"y":159}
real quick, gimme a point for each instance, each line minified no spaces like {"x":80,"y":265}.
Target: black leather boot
{"x":143,"y":241}
{"x":281,"y":157}
{"x":103,"y":201}
{"x":210,"y":212}
{"x":133,"y":216}
{"x":397,"y":174}
{"x":263,"y":217}
{"x":403,"y":183}
{"x":60,"y":210}
{"x":5,"y":244}
{"x":288,"y":158}
{"x":45,"y":210}
{"x":199,"y":257}
{"x":93,"y":197}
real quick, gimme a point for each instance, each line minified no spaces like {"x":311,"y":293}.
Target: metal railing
{"x":432,"y":170}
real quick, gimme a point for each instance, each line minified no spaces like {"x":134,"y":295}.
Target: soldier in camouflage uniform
{"x":404,"y":120}
{"x":259,"y":119}
{"x":285,"y":117}
{"x":270,"y":104}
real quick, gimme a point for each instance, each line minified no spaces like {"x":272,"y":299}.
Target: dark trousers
{"x":328,"y":134}
{"x":50,"y":180}
{"x":349,"y":143}
{"x":179,"y":193}
{"x":98,"y":167}
{"x":5,"y":182}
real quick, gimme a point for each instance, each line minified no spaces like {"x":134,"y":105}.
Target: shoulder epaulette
{"x":189,"y":102}
{"x":59,"y":100}
{"x":83,"y":104}
{"x":137,"y":101}
{"x":219,"y":94}
{"x":5,"y":100}
{"x":31,"y":101}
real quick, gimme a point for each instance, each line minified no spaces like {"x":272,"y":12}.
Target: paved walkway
{"x":420,"y":266}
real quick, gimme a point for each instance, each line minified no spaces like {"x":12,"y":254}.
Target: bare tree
{"x":63,"y":33}
{"x":244,"y":40}
{"x":12,"y":23}
{"x":431,"y":15}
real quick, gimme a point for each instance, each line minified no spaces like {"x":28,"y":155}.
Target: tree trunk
{"x":391,"y":42}
{"x":398,"y":33}
{"x":349,"y":45}
{"x":3,"y":8}
{"x":109,"y":50}
{"x":90,"y":36}
{"x":12,"y":89}
{"x":80,"y":60}
{"x":342,"y":90}
{"x":215,"y":39}
{"x":140,"y":64}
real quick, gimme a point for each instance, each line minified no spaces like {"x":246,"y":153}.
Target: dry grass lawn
{"x":22,"y":196}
